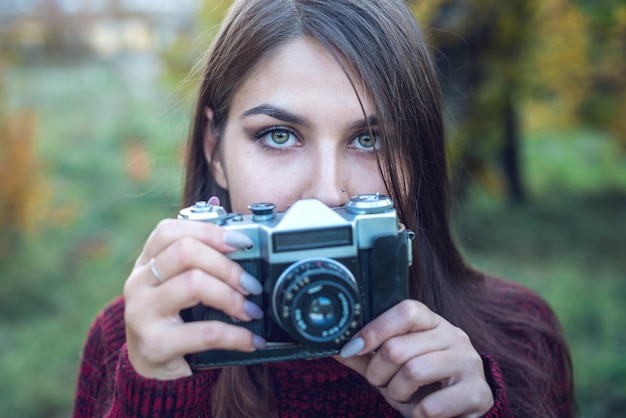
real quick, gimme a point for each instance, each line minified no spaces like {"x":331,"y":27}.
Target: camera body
{"x":325,"y":274}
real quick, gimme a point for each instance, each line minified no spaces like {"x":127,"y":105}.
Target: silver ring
{"x":155,"y":272}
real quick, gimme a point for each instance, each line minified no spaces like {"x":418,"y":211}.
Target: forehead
{"x":303,"y":66}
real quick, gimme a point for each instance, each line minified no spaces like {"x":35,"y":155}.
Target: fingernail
{"x":353,"y":347}
{"x":252,"y":310}
{"x":250,"y":284}
{"x":214,"y":200}
{"x":237,"y":239}
{"x":258,"y":342}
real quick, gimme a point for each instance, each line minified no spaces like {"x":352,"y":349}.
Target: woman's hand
{"x":422,"y":364}
{"x":189,"y":257}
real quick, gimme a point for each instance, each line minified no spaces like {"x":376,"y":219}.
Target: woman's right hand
{"x":189,"y":256}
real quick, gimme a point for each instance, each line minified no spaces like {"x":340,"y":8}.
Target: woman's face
{"x":296,"y":130}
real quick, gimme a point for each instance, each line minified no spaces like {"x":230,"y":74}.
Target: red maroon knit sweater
{"x":108,"y":386}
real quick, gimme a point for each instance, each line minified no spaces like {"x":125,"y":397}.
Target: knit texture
{"x":108,"y":386}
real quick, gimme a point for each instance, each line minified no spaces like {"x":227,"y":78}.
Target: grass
{"x":570,"y":251}
{"x":567,"y":243}
{"x":109,"y":141}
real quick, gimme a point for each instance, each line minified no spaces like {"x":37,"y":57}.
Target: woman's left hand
{"x":423,"y":365}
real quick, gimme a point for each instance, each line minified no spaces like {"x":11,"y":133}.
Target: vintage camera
{"x":325,"y":272}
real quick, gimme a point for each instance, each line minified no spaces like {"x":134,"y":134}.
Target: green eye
{"x":366,"y":141}
{"x":279,"y":137}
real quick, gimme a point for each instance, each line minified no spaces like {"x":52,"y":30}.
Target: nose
{"x":327,"y":179}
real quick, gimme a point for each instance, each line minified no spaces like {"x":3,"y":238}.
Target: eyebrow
{"x":371,"y":121}
{"x":276,"y":113}
{"x":289,"y":117}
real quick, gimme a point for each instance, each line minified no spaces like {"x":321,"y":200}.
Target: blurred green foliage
{"x":103,"y":146}
{"x":504,"y":65}
{"x":99,"y":123}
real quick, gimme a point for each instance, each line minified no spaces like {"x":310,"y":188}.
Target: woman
{"x":321,"y":99}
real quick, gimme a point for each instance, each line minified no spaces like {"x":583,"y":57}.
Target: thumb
{"x":357,"y":363}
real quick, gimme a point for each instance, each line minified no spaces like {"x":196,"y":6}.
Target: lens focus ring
{"x":316,"y":301}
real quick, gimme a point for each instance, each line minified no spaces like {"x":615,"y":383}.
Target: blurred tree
{"x":603,"y":107}
{"x":64,"y":35}
{"x":558,"y":70}
{"x":189,"y":49}
{"x":562,"y":62}
{"x":23,"y":191}
{"x":479,"y":47}
{"x":55,"y":25}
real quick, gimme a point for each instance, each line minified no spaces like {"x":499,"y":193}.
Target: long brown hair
{"x":383,"y":47}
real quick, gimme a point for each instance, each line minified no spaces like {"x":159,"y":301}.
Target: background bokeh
{"x":95,"y":100}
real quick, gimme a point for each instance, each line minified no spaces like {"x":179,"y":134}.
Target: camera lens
{"x":321,"y":311}
{"x":316,"y":301}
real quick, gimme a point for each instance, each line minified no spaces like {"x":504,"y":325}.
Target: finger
{"x":196,"y":286}
{"x":169,"y":231}
{"x":460,"y":400}
{"x":405,"y":317}
{"x":357,"y":363}
{"x":397,"y":351}
{"x":189,"y":253}
{"x":360,"y":365}
{"x":216,"y":335}
{"x":418,"y":372}
{"x":162,"y":344}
